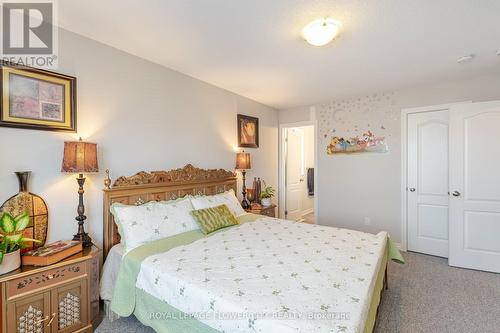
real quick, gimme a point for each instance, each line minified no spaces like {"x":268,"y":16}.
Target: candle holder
{"x":251,"y":194}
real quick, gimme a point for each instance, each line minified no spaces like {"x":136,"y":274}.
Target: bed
{"x":263,"y":275}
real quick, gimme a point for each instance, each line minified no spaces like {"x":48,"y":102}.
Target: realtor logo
{"x":29,"y":33}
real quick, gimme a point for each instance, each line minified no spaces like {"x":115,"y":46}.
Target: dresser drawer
{"x":45,"y":279}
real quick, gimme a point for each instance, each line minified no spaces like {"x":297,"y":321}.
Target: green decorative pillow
{"x":214,"y":218}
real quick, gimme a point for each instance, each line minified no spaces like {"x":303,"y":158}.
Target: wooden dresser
{"x":60,"y":298}
{"x":268,"y":211}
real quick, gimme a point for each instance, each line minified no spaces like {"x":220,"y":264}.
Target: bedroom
{"x":161,"y":85}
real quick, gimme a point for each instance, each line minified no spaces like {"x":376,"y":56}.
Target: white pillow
{"x":228,"y":198}
{"x":139,"y":225}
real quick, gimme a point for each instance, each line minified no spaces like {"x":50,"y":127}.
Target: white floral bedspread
{"x":276,"y":275}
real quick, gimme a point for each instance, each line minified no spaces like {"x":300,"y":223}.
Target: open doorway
{"x":297,"y":190}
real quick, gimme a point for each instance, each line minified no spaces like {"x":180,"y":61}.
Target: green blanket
{"x":394,"y":253}
{"x":123,"y":302}
{"x":127,"y":299}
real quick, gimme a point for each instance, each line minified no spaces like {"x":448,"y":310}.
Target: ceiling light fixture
{"x":321,"y":32}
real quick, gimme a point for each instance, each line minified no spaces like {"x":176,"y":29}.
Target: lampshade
{"x":243,"y":161}
{"x":80,"y":157}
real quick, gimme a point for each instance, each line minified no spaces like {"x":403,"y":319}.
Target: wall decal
{"x":367,"y":143}
{"x":364,"y":124}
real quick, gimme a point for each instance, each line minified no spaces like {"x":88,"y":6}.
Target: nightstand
{"x":59,"y":298}
{"x":268,"y":211}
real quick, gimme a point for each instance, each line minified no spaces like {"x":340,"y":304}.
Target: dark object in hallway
{"x":310,"y":181}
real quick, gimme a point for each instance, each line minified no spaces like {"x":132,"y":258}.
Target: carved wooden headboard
{"x":160,"y":185}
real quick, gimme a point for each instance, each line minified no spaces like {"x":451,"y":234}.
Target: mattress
{"x":274,"y":275}
{"x":110,"y":271}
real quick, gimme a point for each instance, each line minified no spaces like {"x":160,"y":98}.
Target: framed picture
{"x":248,"y":131}
{"x":37,"y":99}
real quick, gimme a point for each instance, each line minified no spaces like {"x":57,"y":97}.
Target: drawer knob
{"x":50,"y":277}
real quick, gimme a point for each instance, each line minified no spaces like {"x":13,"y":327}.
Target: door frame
{"x":404,"y":161}
{"x":282,"y":165}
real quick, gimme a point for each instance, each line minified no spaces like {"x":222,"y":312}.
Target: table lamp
{"x":243,"y":164}
{"x":80,"y":157}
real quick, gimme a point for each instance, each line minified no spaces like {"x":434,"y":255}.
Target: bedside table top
{"x":86,"y":254}
{"x":250,"y":210}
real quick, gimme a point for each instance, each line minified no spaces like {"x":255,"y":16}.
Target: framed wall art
{"x":37,"y":99}
{"x":248,"y":131}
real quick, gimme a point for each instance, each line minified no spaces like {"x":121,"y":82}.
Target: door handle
{"x":47,"y":318}
{"x":456,"y":193}
{"x":42,"y":320}
{"x":51,"y":319}
{"x":412,"y":189}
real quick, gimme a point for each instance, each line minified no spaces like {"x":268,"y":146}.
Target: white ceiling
{"x":254,"y":48}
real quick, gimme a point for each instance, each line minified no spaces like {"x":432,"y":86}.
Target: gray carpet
{"x":425,"y":295}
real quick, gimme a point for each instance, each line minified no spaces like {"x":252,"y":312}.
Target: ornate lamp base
{"x":244,"y":203}
{"x":81,"y":236}
{"x":84,"y":238}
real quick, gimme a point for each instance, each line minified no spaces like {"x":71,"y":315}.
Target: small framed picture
{"x":37,"y":99}
{"x":248,"y":131}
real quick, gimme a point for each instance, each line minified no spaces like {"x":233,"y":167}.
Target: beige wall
{"x":352,"y":188}
{"x":143,"y":117}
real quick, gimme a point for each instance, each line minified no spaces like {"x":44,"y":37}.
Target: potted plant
{"x":266,"y":195}
{"x":12,"y":240}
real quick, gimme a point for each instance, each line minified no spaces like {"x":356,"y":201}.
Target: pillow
{"x":227,"y":198}
{"x":214,"y":218}
{"x":139,"y":225}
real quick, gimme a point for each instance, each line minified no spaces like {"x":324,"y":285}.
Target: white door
{"x":427,"y":182}
{"x":295,"y":178}
{"x":475,"y":186}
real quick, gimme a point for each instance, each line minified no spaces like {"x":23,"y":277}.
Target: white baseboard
{"x":400,"y":247}
{"x":307,"y":211}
